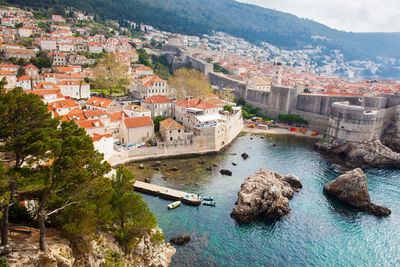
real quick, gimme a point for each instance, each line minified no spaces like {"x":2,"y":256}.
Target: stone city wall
{"x":222,"y":80}
{"x":355,"y":123}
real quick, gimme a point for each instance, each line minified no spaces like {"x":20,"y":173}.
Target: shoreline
{"x":171,"y":156}
{"x":246,"y":130}
{"x":280,"y":131}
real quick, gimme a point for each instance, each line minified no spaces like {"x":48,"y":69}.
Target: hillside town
{"x":55,"y":58}
{"x":67,"y":53}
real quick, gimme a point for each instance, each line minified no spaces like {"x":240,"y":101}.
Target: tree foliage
{"x":189,"y":82}
{"x":131,"y":212}
{"x":25,"y":127}
{"x":111,"y":74}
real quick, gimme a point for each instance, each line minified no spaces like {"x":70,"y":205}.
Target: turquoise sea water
{"x":319,"y":231}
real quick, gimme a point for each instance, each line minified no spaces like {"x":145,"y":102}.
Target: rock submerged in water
{"x":361,"y":154}
{"x":265,"y":194}
{"x":245,"y":156}
{"x":180,"y":240}
{"x":352,"y":189}
{"x":226,"y":172}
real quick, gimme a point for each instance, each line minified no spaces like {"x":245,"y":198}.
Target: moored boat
{"x":207,"y":198}
{"x":209,"y":203}
{"x":174,"y":205}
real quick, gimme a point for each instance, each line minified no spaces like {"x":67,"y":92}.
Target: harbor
{"x":167,"y":193}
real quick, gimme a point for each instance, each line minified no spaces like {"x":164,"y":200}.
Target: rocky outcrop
{"x":361,"y":154}
{"x":102,"y":251}
{"x":352,"y":189}
{"x":265,"y":194}
{"x":180,"y":240}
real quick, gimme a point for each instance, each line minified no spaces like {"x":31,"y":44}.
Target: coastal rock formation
{"x":361,"y":154}
{"x":60,"y":253}
{"x":180,"y":240}
{"x":226,"y":172}
{"x":352,"y":188}
{"x":265,"y":194}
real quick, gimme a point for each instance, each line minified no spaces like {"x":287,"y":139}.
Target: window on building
{"x":170,"y":138}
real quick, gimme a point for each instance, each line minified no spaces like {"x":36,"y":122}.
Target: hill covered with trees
{"x":253,"y":23}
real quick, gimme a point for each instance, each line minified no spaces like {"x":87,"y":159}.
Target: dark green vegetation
{"x":56,"y":165}
{"x":250,"y":22}
{"x":291,"y":118}
{"x":159,"y":64}
{"x":157,"y":122}
{"x":249,"y":111}
{"x":218,"y":68}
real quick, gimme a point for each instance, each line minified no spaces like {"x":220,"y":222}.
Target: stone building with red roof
{"x":136,"y":130}
{"x":149,"y":86}
{"x":158,"y":105}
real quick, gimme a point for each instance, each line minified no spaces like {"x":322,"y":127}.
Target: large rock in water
{"x":361,"y":154}
{"x":265,"y":194}
{"x":352,"y":188}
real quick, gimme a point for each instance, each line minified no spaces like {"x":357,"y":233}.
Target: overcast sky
{"x":348,"y":15}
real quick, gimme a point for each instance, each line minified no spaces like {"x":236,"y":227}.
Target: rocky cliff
{"x":352,"y":189}
{"x":102,"y":251}
{"x":360,"y":154}
{"x":265,"y":194}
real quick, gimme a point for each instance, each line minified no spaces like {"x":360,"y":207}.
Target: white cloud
{"x":348,"y":15}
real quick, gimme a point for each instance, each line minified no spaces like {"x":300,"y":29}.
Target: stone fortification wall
{"x":225,"y":81}
{"x":392,"y":100}
{"x":321,"y":104}
{"x":200,"y":65}
{"x":258,"y":98}
{"x":178,"y":57}
{"x":355,"y":123}
{"x":281,"y":100}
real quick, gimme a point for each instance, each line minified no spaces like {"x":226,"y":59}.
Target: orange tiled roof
{"x":115,"y":116}
{"x":134,"y":122}
{"x":99,"y":102}
{"x":67,"y":103}
{"x":195,"y":103}
{"x":157,"y":99}
{"x":170,"y":124}
{"x":30,"y":66}
{"x":90,"y":124}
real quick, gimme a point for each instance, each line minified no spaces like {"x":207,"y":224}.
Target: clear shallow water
{"x":318,"y":232}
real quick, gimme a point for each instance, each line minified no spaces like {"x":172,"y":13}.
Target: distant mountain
{"x":253,"y":23}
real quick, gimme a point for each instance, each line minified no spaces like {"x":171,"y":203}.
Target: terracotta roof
{"x":170,"y":124}
{"x":195,"y":103}
{"x":99,"y":102}
{"x":71,"y":83}
{"x":90,"y":124}
{"x":134,"y":122}
{"x":6,"y":72}
{"x":67,"y":103}
{"x":6,"y":65}
{"x":97,"y":137}
{"x":91,"y":113}
{"x":157,"y":99}
{"x":115,"y":116}
{"x":65,"y":69}
{"x":46,"y":92}
{"x":150,"y":80}
{"x":30,"y":66}
{"x":24,"y":78}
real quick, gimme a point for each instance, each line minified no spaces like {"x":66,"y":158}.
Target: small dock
{"x":167,"y":193}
